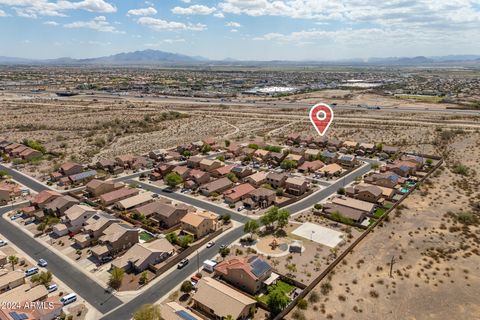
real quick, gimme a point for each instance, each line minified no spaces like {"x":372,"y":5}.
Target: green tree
{"x":173,"y":179}
{"x":187,"y":153}
{"x":341,"y":191}
{"x":282,"y":218}
{"x":253,"y":146}
{"x":144,"y":278}
{"x":3,"y":174}
{"x":221,"y":158}
{"x":270,"y":217}
{"x":288,"y":164}
{"x":232,"y":177}
{"x":43,"y":278}
{"x":226,"y":218}
{"x":206,"y":148}
{"x":251,"y":227}
{"x":185,"y":240}
{"x":186,"y":287}
{"x":429,"y":162}
{"x":227,"y":143}
{"x":277,"y":301}
{"x":224,"y":251}
{"x":148,"y":312}
{"x":116,"y":277}
{"x":13,"y":260}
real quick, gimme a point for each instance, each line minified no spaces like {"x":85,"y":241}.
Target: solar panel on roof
{"x":259,"y":267}
{"x":185,"y":315}
{"x":18,"y":316}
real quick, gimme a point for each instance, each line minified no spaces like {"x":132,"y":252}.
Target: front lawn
{"x":144,"y":236}
{"x":379,"y":212}
{"x":282,"y":286}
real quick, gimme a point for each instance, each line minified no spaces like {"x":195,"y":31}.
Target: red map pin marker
{"x":321,"y":116}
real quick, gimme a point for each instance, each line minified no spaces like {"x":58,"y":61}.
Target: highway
{"x":96,"y":294}
{"x":88,"y":289}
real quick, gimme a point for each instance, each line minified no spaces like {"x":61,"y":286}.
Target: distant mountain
{"x":157,"y":57}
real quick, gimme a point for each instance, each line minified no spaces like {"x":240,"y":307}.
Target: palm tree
{"x":13,"y":261}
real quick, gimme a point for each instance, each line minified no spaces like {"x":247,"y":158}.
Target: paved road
{"x":172,"y":280}
{"x":71,"y":276}
{"x":25,"y":180}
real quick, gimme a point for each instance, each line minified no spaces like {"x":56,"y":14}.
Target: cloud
{"x":233,"y":24}
{"x":219,"y":15}
{"x":99,"y":23}
{"x":150,"y":11}
{"x":35,"y":8}
{"x":51,"y":23}
{"x":164,"y":41}
{"x":160,"y":25}
{"x":186,"y":1}
{"x":3,"y":13}
{"x":195,"y":9}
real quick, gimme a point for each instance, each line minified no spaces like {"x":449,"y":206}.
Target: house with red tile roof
{"x":238,"y":193}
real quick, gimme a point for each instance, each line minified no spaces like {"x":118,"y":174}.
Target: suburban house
{"x":98,"y":187}
{"x":182,"y":171}
{"x":260,"y":198}
{"x":209,"y":165}
{"x":346,"y":160}
{"x":222,"y":171}
{"x":276,"y":180}
{"x":331,"y":170}
{"x":348,"y":212}
{"x":311,"y":154}
{"x":139,"y":257}
{"x":365,"y":192}
{"x":216,"y":186}
{"x":350,"y":145}
{"x":164,"y":214}
{"x":275,"y":158}
{"x":256,"y":179}
{"x":298,"y":158}
{"x":199,"y":224}
{"x":158,"y":154}
{"x":93,"y":229}
{"x":238,"y":193}
{"x":403,"y":168}
{"x":194,"y":162}
{"x":328,"y":157}
{"x":417,"y":160}
{"x":246,"y":273}
{"x":59,"y":205}
{"x":367,"y":207}
{"x":367,"y":147}
{"x":135,"y":201}
{"x":41,"y":199}
{"x":390,"y":150}
{"x":74,"y":219}
{"x":217,"y":300}
{"x":311,"y":166}
{"x":117,"y":237}
{"x":70,"y":168}
{"x":125,"y":161}
{"x":199,"y":177}
{"x":385,"y":179}
{"x":11,"y":279}
{"x":110,"y":198}
{"x":296,"y":186}
{"x":241,"y":171}
{"x":261,"y":154}
{"x":8,"y":191}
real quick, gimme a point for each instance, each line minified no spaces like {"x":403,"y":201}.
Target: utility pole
{"x":391,"y":266}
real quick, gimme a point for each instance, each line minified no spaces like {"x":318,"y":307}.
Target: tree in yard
{"x":374,"y":166}
{"x":251,"y":227}
{"x":13,"y":260}
{"x":148,"y":312}
{"x":187,"y":153}
{"x":227,"y":143}
{"x":173,"y":179}
{"x":3,"y":174}
{"x":341,"y":191}
{"x":226,"y":218}
{"x":224,"y":252}
{"x":206,"y":148}
{"x":221,"y":158}
{"x":184,"y":241}
{"x":172,"y":237}
{"x":229,"y":317}
{"x":116,"y":277}
{"x":43,"y":278}
{"x":232,"y":177}
{"x":186,"y":287}
{"x":144,"y":278}
{"x":282,"y":218}
{"x":277,"y":301}
{"x":429,"y":162}
{"x":288,"y":164}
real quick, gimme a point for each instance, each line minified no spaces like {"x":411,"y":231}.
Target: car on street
{"x":182,"y":263}
{"x":223,"y":246}
{"x":42,"y":263}
{"x":210,"y":244}
{"x":3,"y":243}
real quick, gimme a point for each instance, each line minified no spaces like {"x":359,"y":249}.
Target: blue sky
{"x":240,"y":29}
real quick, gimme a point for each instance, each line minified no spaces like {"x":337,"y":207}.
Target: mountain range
{"x":157,"y":57}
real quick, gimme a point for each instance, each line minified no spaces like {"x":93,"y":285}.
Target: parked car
{"x":241,"y":208}
{"x":16,"y":216}
{"x":52,"y":287}
{"x":42,"y":263}
{"x":210,"y":244}
{"x":29,"y":221}
{"x":155,"y":195}
{"x":182,"y":263}
{"x":3,"y":243}
{"x":106,"y":259}
{"x":31,"y":271}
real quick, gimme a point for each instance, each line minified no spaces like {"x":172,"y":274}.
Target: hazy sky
{"x":240,"y":29}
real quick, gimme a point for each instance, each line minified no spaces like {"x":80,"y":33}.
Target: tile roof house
{"x":182,"y":171}
{"x":199,"y":224}
{"x":241,"y":171}
{"x":222,"y":171}
{"x":311,"y":154}
{"x":216,"y":186}
{"x":77,"y":216}
{"x":93,"y":229}
{"x":329,"y":157}
{"x":296,"y":186}
{"x":386,"y":179}
{"x":246,"y":273}
{"x":69,"y":168}
{"x":11,"y":279}
{"x":209,"y":165}
{"x":311,"y":166}
{"x":354,"y":204}
{"x":194,"y":162}
{"x":198,"y":176}
{"x":365,"y":192}
{"x":348,"y":212}
{"x":218,"y":300}
{"x":276,"y":180}
{"x":141,"y":255}
{"x":260,"y":197}
{"x":98,"y":187}
{"x":299,"y":159}
{"x":59,"y":205}
{"x":331,"y":170}
{"x":164,"y":214}
{"x":256,"y":179}
{"x":110,"y":198}
{"x":117,"y":237}
{"x":135,"y":201}
{"x":238,"y":193}
{"x":346,"y":160}
{"x":41,"y":199}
